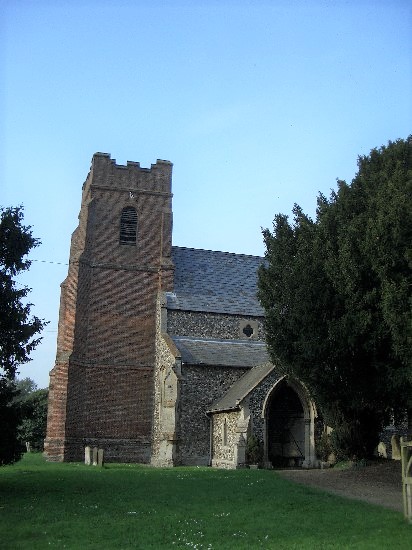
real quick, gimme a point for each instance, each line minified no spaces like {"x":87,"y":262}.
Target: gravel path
{"x":379,"y":483}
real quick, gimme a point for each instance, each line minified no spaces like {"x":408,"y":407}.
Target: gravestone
{"x":396,"y":447}
{"x":382,"y":450}
{"x":100,"y":454}
{"x":94,"y":456}
{"x":87,"y":455}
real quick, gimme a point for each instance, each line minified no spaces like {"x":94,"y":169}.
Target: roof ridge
{"x":217,"y":252}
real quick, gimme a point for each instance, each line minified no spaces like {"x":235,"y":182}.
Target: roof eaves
{"x":225,"y":409}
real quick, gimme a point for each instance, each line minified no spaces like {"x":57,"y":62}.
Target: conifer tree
{"x":337,"y":298}
{"x":17,"y":327}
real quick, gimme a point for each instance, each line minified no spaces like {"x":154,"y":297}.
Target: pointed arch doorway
{"x":289,"y":421}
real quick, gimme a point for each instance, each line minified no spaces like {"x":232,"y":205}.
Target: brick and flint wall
{"x":201,"y":385}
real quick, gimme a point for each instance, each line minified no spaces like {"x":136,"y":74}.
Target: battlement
{"x":106,"y":158}
{"x":105,"y":172}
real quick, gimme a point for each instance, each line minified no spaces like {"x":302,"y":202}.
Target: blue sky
{"x":258,"y":105}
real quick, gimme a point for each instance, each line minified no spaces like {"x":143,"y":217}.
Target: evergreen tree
{"x":17,"y":328}
{"x":337,"y":298}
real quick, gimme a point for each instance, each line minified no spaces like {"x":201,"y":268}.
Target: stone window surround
{"x":244,"y":325}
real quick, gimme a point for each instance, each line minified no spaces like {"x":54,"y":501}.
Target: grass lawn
{"x":46,"y":505}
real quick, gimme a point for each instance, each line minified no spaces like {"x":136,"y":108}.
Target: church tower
{"x":101,"y":387}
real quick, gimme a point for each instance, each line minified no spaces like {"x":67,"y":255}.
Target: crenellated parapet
{"x":106,"y":173}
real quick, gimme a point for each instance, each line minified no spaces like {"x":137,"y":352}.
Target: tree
{"x":337,"y":298}
{"x":17,"y":327}
{"x":10,"y":447}
{"x":32,"y":406}
{"x":25,"y":387}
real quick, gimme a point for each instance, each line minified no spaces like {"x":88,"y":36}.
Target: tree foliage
{"x":337,"y":297}
{"x":17,"y":327}
{"x":32,"y":405}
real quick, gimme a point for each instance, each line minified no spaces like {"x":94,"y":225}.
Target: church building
{"x":161,"y":357}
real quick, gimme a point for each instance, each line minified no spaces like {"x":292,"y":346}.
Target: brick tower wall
{"x":55,"y":442}
{"x":102,"y":384}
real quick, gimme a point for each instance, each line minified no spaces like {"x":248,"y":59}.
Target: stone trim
{"x":133,"y":190}
{"x":254,"y":326}
{"x":121,"y":267}
{"x":167,"y":378}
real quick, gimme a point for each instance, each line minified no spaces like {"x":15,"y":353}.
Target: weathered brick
{"x":101,"y":387}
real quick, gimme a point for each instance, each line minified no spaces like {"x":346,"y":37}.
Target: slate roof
{"x":215,"y":352}
{"x":241,"y":388}
{"x":215,"y":282}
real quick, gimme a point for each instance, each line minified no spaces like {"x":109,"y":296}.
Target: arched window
{"x":128,"y":225}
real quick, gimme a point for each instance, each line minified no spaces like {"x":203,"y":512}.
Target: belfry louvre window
{"x":128,"y":226}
